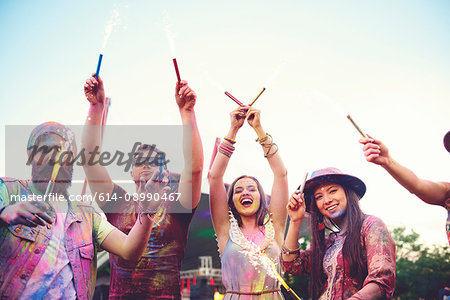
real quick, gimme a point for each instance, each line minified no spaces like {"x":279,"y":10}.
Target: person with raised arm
{"x":249,"y":230}
{"x":49,"y":244}
{"x":431,"y":192}
{"x":352,"y":255}
{"x":157,"y":273}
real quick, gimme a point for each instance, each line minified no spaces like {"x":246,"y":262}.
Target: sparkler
{"x":176,"y":69}
{"x":113,"y":21}
{"x":98,"y":65}
{"x":280,"y":279}
{"x":262,"y":91}
{"x":234,"y":99}
{"x":171,"y":40}
{"x":259,"y":255}
{"x":301,"y":187}
{"x":356,"y":126}
{"x":55,"y":171}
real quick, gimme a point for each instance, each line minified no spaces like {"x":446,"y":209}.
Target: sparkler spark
{"x":169,"y":33}
{"x":113,"y":21}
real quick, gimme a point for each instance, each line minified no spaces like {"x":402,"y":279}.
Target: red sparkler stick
{"x":176,"y":69}
{"x":234,"y":99}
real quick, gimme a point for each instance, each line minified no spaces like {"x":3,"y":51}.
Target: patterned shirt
{"x":53,"y":276}
{"x":380,"y":253}
{"x":23,"y":247}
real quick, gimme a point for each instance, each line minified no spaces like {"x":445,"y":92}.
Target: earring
{"x":321,"y":226}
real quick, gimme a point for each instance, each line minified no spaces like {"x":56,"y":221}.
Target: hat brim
{"x":345,"y":180}
{"x":447,"y":141}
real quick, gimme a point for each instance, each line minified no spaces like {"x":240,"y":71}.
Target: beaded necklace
{"x":256,"y":254}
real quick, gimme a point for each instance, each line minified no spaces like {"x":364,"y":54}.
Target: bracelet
{"x":226,"y":149}
{"x":228,"y":145}
{"x":262,"y":140}
{"x":228,"y":154}
{"x":230,"y":140}
{"x":268,"y":154}
{"x":287,"y":251}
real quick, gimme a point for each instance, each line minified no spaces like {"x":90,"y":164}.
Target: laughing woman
{"x":357,"y":261}
{"x":248,"y":230}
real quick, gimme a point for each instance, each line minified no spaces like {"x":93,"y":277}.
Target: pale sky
{"x":386,"y":63}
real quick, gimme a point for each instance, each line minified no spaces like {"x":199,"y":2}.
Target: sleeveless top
{"x":241,"y":273}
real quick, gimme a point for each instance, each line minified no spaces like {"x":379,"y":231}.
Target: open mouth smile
{"x":332,"y":207}
{"x":246,"y":202}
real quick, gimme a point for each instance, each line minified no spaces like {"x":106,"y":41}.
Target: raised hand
{"x":154,"y":186}
{"x":238,"y":116}
{"x":94,"y":90}
{"x":254,"y":117}
{"x":185,"y":96}
{"x":375,"y":151}
{"x":25,"y":213}
{"x":296,"y":207}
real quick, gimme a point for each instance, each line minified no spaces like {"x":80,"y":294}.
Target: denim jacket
{"x":21,"y":247}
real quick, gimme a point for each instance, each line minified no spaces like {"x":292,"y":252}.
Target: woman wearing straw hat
{"x":434,"y":193}
{"x":357,"y":259}
{"x":249,"y":231}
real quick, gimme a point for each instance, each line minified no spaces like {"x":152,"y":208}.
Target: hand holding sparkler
{"x":356,"y":126}
{"x":296,"y":207}
{"x":375,"y":151}
{"x":94,"y":90}
{"x":185,"y":96}
{"x":254,"y":119}
{"x":237,"y":117}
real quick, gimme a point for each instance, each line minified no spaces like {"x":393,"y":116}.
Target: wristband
{"x":287,"y":251}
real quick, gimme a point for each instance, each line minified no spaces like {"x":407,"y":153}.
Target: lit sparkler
{"x":113,"y":21}
{"x":356,"y":126}
{"x":176,"y":69}
{"x":234,"y":99}
{"x":254,"y":100}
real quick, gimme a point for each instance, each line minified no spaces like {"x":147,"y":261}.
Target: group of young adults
{"x":48,"y":249}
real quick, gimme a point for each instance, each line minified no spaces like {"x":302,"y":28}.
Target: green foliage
{"x":421,"y":270}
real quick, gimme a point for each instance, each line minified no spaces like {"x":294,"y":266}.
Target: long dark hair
{"x":262,"y":210}
{"x":352,"y":250}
